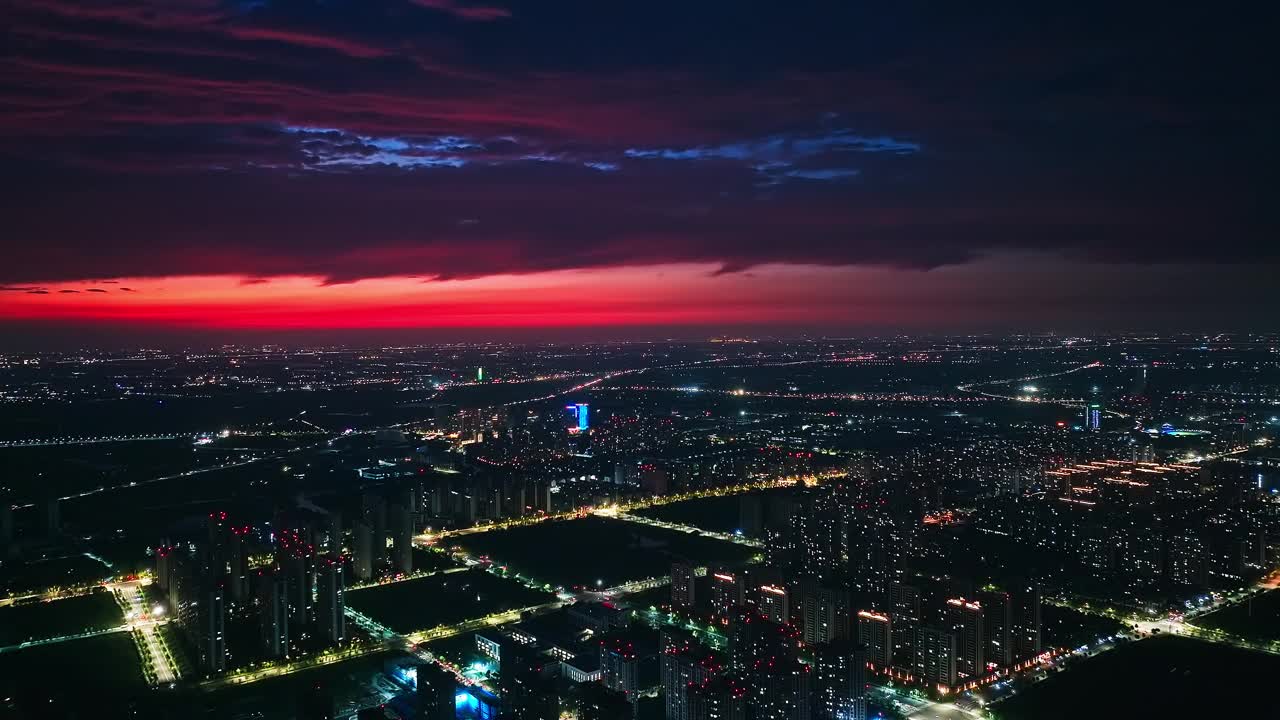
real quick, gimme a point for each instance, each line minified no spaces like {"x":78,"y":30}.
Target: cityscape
{"x":772,"y":529}
{"x":702,"y":360}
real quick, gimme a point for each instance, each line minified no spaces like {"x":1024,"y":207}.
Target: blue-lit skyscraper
{"x":582,"y":412}
{"x":1092,"y":416}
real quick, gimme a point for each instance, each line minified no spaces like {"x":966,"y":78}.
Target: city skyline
{"x":519,"y":169}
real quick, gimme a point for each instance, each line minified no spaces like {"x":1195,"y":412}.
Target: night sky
{"x":632,"y":169}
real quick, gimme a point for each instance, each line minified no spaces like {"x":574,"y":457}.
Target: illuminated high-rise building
{"x":753,"y":639}
{"x":620,"y":666}
{"x":727,"y":591}
{"x":273,"y":615}
{"x":722,"y":698}
{"x":684,"y":663}
{"x":211,"y":632}
{"x":781,"y":689}
{"x":997,"y":627}
{"x":1026,"y":621}
{"x":824,"y":614}
{"x":964,"y":618}
{"x":1093,"y":416}
{"x":751,"y":515}
{"x":331,"y":600}
{"x":936,"y":655}
{"x":401,"y":520}
{"x":298,"y":562}
{"x":774,"y":603}
{"x":6,"y":524}
{"x":905,"y":611}
{"x":841,"y":681}
{"x":683,"y":585}
{"x":237,"y":564}
{"x":875,"y":633}
{"x":362,"y":551}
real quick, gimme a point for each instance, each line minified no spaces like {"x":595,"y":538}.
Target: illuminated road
{"x":141,"y":619}
{"x":49,"y":442}
{"x":971,"y":388}
{"x":50,"y":595}
{"x":63,"y":638}
{"x":942,"y":711}
{"x":809,"y":480}
{"x":264,"y":672}
{"x":405,"y":578}
{"x":688,"y":529}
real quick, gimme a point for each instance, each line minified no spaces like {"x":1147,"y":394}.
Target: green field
{"x":1256,"y":619}
{"x":100,"y":670}
{"x":1164,"y":677}
{"x":429,"y":602}
{"x":431,"y":561}
{"x":720,"y":514}
{"x":69,"y":616}
{"x":353,"y":683}
{"x":1067,"y":628}
{"x":593,"y":550}
{"x":68,"y":571}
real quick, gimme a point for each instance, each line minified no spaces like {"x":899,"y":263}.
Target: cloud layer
{"x":452,"y":139}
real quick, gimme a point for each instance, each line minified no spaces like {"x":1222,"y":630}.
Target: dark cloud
{"x":465,"y":11}
{"x":95,"y":290}
{"x":448,"y":139}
